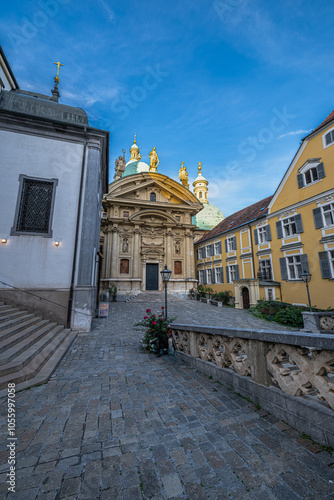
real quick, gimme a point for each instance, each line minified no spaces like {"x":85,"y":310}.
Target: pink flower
{"x":145,"y":317}
{"x":153,"y":323}
{"x":148,"y":310}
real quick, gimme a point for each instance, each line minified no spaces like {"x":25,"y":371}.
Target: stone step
{"x":18,"y":362}
{"x":43,"y":375}
{"x":24,"y":316}
{"x":8,"y":332}
{"x":5,"y":309}
{"x":30,"y":370}
{"x":12,"y":314}
{"x":10,"y":348}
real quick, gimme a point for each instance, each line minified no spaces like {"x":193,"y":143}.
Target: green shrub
{"x":223,"y":297}
{"x":280,"y":312}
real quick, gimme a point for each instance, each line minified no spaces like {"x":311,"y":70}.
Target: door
{"x":245,"y":297}
{"x":152,"y":276}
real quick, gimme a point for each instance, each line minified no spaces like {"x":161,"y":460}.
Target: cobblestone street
{"x":115,"y":422}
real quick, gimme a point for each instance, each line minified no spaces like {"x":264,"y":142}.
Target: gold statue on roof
{"x":154,"y":160}
{"x":58,"y":64}
{"x":183,"y":175}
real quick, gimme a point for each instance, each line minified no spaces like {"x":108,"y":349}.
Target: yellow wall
{"x":288,"y":198}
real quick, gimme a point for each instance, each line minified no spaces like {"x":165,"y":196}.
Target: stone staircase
{"x":30,"y":348}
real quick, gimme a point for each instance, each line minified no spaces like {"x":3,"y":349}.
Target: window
{"x":34,"y":206}
{"x":265,"y":270}
{"x":293,"y":266}
{"x":209,"y":276}
{"x":153,"y":197}
{"x":328,"y":138}
{"x":289,"y":227}
{"x":327,"y":264}
{"x":324,"y":216}
{"x":177,"y":267}
{"x":311,"y":172}
{"x":200,"y":194}
{"x":200,"y":277}
{"x":178,"y":218}
{"x":126,"y":214}
{"x":262,"y":235}
{"x":124,"y":267}
{"x":231,"y":243}
{"x":217,"y":248}
{"x":232,"y":273}
{"x":328,"y":211}
{"x":208,"y":250}
{"x":270,"y":295}
{"x":219,"y":277}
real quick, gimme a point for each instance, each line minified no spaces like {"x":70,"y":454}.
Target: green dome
{"x":135,"y":167}
{"x":208,"y":218}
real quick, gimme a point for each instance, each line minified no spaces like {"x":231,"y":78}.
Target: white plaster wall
{"x":34,"y":261}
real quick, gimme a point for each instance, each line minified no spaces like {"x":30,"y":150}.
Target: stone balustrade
{"x":298,"y":365}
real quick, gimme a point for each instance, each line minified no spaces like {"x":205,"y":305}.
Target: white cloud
{"x":294,"y":132}
{"x":110,"y":13}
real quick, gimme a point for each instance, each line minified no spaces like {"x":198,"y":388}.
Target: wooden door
{"x":245,"y":297}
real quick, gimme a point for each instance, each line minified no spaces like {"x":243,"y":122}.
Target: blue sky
{"x":235,"y":84}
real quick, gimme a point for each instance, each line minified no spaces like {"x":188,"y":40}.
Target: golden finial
{"x":139,"y":157}
{"x":200,"y":167}
{"x":135,"y":141}
{"x":57,"y":77}
{"x":154,"y":160}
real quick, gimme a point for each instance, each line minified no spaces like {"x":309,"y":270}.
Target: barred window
{"x":34,"y":206}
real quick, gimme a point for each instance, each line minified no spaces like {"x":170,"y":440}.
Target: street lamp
{"x":165,"y":275}
{"x":306,"y":277}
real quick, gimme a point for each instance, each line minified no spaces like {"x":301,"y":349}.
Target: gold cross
{"x":58,"y":64}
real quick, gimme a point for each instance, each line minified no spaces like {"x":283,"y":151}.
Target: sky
{"x":235,"y":84}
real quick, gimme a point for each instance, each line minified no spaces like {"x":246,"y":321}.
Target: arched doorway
{"x":245,"y":297}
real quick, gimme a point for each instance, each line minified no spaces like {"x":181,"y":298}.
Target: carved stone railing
{"x":299,"y":363}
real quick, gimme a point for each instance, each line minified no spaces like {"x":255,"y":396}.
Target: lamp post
{"x":306,"y":277}
{"x":165,"y":275}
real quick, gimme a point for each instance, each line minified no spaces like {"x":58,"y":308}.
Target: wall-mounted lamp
{"x":57,"y":243}
{"x":4,"y":241}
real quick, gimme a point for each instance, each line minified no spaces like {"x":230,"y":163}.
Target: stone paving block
{"x":172,"y":485}
{"x":70,"y":487}
{"x":52,"y":481}
{"x":195,"y":491}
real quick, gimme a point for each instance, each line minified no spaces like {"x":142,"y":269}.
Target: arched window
{"x":153,"y":197}
{"x":200,"y":194}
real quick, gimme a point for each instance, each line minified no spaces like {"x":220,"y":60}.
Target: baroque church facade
{"x":150,"y":220}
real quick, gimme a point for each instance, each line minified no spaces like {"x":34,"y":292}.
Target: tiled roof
{"x":329,"y":118}
{"x":248,"y":214}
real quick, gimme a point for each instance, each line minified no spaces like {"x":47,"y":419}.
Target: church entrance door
{"x":245,"y":297}
{"x":152,"y":276}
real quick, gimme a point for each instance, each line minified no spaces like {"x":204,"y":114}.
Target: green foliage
{"x":223,"y":297}
{"x":156,"y":332}
{"x":281,"y":312}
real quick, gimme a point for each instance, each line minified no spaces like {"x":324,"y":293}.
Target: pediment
{"x":137,"y":187}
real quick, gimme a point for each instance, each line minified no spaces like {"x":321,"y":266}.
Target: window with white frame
{"x":217,"y":247}
{"x":261,"y":235}
{"x":328,"y":211}
{"x":327,"y":264}
{"x":331,"y":260}
{"x":200,"y":276}
{"x":289,"y":227}
{"x":209,"y":276}
{"x":217,"y":275}
{"x":232,"y":271}
{"x":208,"y":251}
{"x":312,"y":171}
{"x":265,"y":269}
{"x":230,"y":244}
{"x":294,"y":267}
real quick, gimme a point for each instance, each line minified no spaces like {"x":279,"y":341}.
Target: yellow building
{"x":262,"y":250}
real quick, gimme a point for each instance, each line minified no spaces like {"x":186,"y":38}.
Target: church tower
{"x":201,"y":186}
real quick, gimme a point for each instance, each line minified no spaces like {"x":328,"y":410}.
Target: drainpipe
{"x":70,"y":299}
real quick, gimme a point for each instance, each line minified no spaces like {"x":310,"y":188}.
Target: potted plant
{"x":112,"y":291}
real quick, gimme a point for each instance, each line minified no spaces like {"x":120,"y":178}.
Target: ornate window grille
{"x":35,"y":206}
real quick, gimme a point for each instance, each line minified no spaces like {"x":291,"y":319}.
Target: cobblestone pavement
{"x":117,"y":423}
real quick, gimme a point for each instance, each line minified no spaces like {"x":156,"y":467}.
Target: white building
{"x":53,"y":171}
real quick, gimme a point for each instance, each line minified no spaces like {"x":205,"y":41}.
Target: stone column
{"x":189,"y":256}
{"x":114,"y":252}
{"x":136,"y":253}
{"x":169,"y":248}
{"x":107,"y":253}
